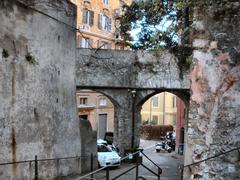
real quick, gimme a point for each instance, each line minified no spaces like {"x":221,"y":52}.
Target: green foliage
{"x":160,"y":22}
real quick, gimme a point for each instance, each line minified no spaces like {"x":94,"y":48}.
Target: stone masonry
{"x":117,"y":74}
{"x":38,"y":113}
{"x":214,"y":122}
{"x":40,"y":69}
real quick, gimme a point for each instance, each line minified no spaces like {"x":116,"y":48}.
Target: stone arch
{"x":183,"y":94}
{"x":144,"y":94}
{"x":114,"y":97}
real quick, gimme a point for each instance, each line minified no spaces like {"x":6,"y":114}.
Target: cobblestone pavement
{"x":169,"y":162}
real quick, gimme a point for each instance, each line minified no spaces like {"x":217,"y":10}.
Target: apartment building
{"x":160,"y":109}
{"x":96,"y":108}
{"x":98,"y":23}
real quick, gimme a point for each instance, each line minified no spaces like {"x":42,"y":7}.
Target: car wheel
{"x":158,"y":150}
{"x":169,"y":150}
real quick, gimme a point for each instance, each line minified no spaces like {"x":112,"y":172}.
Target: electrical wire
{"x":75,"y":29}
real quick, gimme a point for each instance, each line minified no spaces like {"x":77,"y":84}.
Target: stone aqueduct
{"x":38,"y":114}
{"x":129,"y":78}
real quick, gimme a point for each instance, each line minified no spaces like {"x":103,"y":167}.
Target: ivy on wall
{"x":162,"y":24}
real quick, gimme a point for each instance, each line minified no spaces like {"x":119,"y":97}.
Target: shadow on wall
{"x":88,"y":145}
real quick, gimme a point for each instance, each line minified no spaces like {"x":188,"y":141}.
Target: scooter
{"x":171,"y":136}
{"x":163,"y":146}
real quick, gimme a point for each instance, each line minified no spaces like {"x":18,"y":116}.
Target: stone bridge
{"x":40,"y":70}
{"x":129,"y":78}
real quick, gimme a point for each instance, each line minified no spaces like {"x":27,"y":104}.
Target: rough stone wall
{"x":135,"y":69}
{"x":89,"y":146}
{"x":117,"y":73}
{"x":37,"y":90}
{"x":159,"y":71}
{"x":214,"y":122}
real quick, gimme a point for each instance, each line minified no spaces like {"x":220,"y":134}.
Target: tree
{"x":162,"y":24}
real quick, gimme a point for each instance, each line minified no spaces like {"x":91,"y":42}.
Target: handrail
{"x":212,"y":157}
{"x":149,"y":169}
{"x":151,"y":160}
{"x":49,"y":159}
{"x":105,"y":167}
{"x":125,"y":172}
{"x":138,"y":164}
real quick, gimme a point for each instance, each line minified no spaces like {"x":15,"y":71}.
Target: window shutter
{"x":84,"y":20}
{"x":109,"y":24}
{"x":99,"y":21}
{"x":91,"y":17}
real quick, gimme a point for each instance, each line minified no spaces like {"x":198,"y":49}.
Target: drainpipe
{"x":150,"y":114}
{"x":133,"y":93}
{"x":164,"y":108}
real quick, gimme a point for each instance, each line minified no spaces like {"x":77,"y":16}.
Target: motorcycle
{"x":171,"y":136}
{"x":163,"y":146}
{"x":168,"y":144}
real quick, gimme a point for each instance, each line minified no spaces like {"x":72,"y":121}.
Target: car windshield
{"x":103,"y":148}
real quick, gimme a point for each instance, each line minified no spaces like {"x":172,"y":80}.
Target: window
{"x":85,"y":43}
{"x":88,"y":17}
{"x":83,"y":101}
{"x":103,"y":102}
{"x":154,"y":120}
{"x":104,"y":22}
{"x":174,"y":101}
{"x":174,"y":120}
{"x":154,"y":101}
{"x":105,"y":2}
{"x":105,"y":45}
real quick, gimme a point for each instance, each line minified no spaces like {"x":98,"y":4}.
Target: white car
{"x":106,"y":156}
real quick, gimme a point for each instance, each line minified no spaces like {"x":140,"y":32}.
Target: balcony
{"x":84,"y":27}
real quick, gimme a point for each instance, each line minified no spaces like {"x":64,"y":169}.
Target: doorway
{"x":102,"y":125}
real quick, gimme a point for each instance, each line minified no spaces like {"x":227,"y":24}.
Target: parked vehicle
{"x":109,"y":137}
{"x":168,"y":143}
{"x":163,"y":146}
{"x":171,"y":136}
{"x":101,"y":141}
{"x":106,"y":156}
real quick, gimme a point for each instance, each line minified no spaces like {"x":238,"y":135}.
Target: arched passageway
{"x":161,"y":111}
{"x":98,"y":109}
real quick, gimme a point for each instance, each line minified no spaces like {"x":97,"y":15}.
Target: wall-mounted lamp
{"x":134,"y":92}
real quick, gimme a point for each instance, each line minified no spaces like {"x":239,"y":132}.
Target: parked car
{"x":101,"y":141}
{"x":106,"y":156}
{"x":109,"y":137}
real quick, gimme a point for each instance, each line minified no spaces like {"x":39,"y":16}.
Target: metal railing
{"x":207,"y":159}
{"x":158,"y":174}
{"x":136,"y":167}
{"x":36,"y":162}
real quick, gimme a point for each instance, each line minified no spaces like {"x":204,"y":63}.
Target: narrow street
{"x":169,"y":162}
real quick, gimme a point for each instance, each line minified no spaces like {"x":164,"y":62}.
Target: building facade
{"x":96,"y":108}
{"x":98,"y":23}
{"x":165,"y":109}
{"x":98,"y":26}
{"x":160,"y":109}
